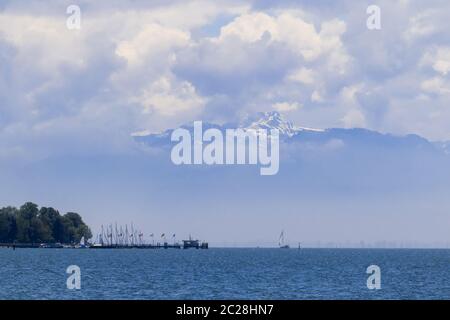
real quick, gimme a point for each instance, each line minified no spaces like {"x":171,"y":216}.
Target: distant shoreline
{"x":71,"y":246}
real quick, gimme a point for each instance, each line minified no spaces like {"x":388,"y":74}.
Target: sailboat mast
{"x":116,"y":239}
{"x":102,"y":235}
{"x":132,"y":234}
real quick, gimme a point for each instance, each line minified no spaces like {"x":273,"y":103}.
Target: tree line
{"x":31,"y":224}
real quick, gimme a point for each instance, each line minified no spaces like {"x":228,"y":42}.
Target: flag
{"x":173,"y":235}
{"x":162,"y":236}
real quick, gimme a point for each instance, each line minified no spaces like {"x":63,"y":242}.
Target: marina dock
{"x":117,"y":237}
{"x":187,"y":244}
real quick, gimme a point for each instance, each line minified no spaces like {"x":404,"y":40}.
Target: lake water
{"x":224,"y":274}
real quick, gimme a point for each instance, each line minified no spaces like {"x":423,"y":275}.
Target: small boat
{"x":82,"y":244}
{"x":281,"y":242}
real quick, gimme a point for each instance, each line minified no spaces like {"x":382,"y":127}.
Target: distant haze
{"x":336,"y":187}
{"x":86,"y":116}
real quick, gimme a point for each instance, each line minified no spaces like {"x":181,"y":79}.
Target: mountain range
{"x":291,"y":135}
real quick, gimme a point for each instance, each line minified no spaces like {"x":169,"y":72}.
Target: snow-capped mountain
{"x":355,"y":138}
{"x":263,"y":120}
{"x":274,"y":120}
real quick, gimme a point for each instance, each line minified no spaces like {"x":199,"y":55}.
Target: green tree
{"x":29,"y":210}
{"x":8,"y":228}
{"x":78,"y":227}
{"x":29,"y":224}
{"x":49,"y":217}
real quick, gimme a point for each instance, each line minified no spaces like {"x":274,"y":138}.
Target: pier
{"x":140,"y":246}
{"x":120,"y":237}
{"x":187,"y":244}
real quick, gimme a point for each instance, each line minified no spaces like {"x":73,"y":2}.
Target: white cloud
{"x":303,"y":75}
{"x":299,"y":35}
{"x":168,"y":97}
{"x":348,"y":93}
{"x":354,"y":119}
{"x":436,"y":85}
{"x":42,"y":43}
{"x":286,"y":106}
{"x":316,"y":97}
{"x":150,"y":44}
{"x":421,"y":25}
{"x":250,"y":27}
{"x":439,"y":59}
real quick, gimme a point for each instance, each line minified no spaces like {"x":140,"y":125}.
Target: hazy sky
{"x":75,"y":96}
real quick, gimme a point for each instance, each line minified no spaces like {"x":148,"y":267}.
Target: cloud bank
{"x":136,"y":66}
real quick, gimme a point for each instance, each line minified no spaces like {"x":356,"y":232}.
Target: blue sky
{"x":152,"y":65}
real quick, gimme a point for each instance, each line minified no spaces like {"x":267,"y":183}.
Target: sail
{"x":281,"y":239}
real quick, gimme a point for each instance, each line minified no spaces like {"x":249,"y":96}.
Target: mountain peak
{"x":262,"y":120}
{"x":274,"y":120}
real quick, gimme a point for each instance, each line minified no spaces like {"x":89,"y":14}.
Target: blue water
{"x":224,"y":274}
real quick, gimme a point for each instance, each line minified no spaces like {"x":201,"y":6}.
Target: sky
{"x":76,"y":96}
{"x":152,"y":65}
